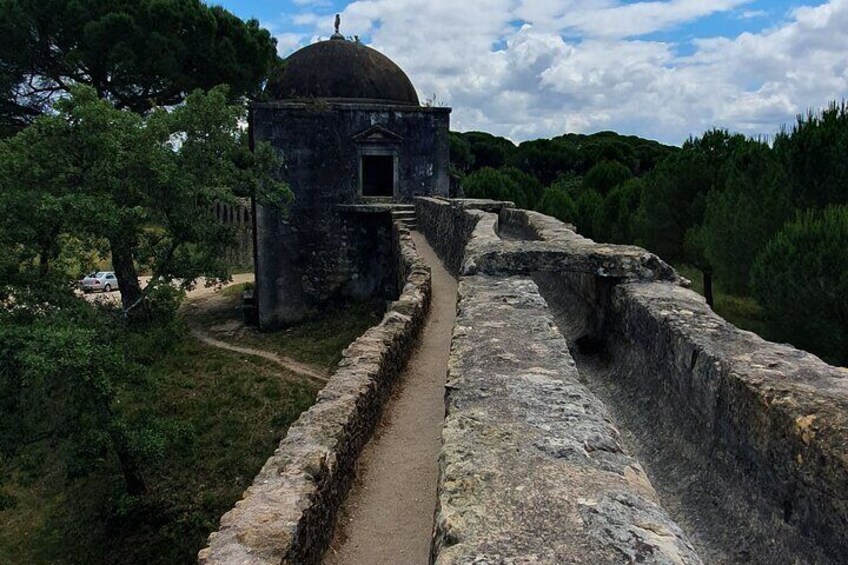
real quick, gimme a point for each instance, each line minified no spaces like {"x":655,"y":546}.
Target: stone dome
{"x":342,"y":69}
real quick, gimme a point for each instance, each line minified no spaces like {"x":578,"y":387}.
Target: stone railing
{"x":288,"y":513}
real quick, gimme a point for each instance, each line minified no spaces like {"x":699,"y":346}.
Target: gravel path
{"x":388,"y":516}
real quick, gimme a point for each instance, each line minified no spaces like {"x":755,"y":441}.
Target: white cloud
{"x":289,"y":42}
{"x":532,"y":68}
{"x":639,"y":18}
{"x":751,"y":14}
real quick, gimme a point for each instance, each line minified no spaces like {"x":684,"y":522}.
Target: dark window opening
{"x":378,"y":175}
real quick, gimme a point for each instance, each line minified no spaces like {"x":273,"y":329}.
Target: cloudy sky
{"x":661,"y":69}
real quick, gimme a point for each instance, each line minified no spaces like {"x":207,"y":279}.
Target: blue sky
{"x":663,"y":69}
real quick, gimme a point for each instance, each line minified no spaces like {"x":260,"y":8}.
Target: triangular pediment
{"x":377,"y":134}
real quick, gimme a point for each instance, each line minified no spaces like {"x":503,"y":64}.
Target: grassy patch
{"x":224,"y":415}
{"x":236,"y":290}
{"x":742,"y":311}
{"x":318,"y":340}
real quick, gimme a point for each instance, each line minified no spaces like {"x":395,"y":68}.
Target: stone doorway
{"x":378,"y":175}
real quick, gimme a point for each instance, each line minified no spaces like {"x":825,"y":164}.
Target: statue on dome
{"x":338,"y":35}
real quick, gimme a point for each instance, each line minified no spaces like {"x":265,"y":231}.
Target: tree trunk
{"x":136,"y":485}
{"x":708,"y":287}
{"x":133,"y":477}
{"x":131,"y":295}
{"x":47,"y":255}
{"x":43,"y":264}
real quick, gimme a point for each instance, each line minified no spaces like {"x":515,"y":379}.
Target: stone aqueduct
{"x":533,"y":467}
{"x":596,"y":410}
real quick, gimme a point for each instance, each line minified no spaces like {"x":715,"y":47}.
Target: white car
{"x":101,"y":280}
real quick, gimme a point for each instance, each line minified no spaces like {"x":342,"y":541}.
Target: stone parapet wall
{"x":287,"y":514}
{"x":466,"y":235}
{"x":780,"y":412}
{"x":529,"y":225}
{"x":531,"y":469}
{"x":448,"y":228}
{"x":553,"y":246}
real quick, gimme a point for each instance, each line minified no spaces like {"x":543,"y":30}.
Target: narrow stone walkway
{"x":388,"y":516}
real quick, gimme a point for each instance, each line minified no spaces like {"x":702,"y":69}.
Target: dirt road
{"x":200,"y":290}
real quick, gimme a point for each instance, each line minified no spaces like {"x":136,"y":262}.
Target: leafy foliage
{"x":461,"y":157}
{"x":528,"y":190}
{"x":142,"y":189}
{"x":813,"y":154}
{"x":556,"y":202}
{"x":671,"y":213}
{"x":619,"y":207}
{"x":487,"y":149}
{"x":589,"y":207}
{"x":138,"y":54}
{"x":121,"y":157}
{"x":59,"y":374}
{"x":802,"y":283}
{"x":605,"y":176}
{"x":545,"y":159}
{"x":491,"y":184}
{"x":743,"y":215}
{"x":548,"y":174}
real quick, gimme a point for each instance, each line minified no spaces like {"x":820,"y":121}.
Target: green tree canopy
{"x":545,"y":159}
{"x":742,"y":216}
{"x":605,"y":176}
{"x":138,"y":54}
{"x":814,"y":155}
{"x":671,"y":211}
{"x":801,"y":281}
{"x":528,"y":189}
{"x":59,"y":377}
{"x":556,"y":202}
{"x":143,"y":188}
{"x":461,"y":158}
{"x":488,"y":150}
{"x":589,"y":208}
{"x":491,"y":184}
{"x":620,"y":205}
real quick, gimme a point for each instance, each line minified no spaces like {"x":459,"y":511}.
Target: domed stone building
{"x":356,"y":146}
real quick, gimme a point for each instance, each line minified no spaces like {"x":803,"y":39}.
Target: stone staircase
{"x":405,"y":214}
